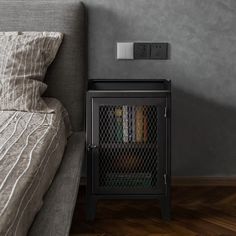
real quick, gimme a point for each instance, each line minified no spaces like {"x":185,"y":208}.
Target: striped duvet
{"x":31,"y":148}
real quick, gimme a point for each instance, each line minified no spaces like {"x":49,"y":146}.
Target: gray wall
{"x":202,"y":34}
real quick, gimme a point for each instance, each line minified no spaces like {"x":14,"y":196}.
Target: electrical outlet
{"x":159,"y":51}
{"x":141,"y":50}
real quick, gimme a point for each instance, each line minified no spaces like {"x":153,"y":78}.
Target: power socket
{"x":141,"y":50}
{"x":156,"y":51}
{"x":159,"y":51}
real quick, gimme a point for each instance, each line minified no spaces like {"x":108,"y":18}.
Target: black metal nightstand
{"x":128,"y":141}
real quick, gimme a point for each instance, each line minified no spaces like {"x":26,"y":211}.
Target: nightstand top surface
{"x":129,"y":84}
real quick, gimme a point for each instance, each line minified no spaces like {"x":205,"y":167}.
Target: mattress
{"x":31,"y":149}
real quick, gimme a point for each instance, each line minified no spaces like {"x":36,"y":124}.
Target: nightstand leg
{"x":165,"y":208}
{"x":91,"y":208}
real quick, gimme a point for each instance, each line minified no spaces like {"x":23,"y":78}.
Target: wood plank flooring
{"x":196,"y":211}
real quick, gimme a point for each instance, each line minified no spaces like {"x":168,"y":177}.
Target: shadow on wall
{"x":204,"y":136}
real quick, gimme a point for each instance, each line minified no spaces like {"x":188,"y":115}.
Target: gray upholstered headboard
{"x":67,"y":75}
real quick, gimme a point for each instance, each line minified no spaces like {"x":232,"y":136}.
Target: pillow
{"x":24,"y":59}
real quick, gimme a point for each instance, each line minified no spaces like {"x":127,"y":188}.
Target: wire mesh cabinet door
{"x":129,"y":142}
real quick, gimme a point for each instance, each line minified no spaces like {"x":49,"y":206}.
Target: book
{"x":133,"y":124}
{"x":128,"y":179}
{"x":125,"y":124}
{"x":139,"y":124}
{"x":119,"y":124}
{"x":145,"y":125}
{"x":130,"y":123}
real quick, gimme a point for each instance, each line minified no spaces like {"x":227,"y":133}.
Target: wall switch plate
{"x":141,"y":50}
{"x":159,"y":51}
{"x":125,"y":50}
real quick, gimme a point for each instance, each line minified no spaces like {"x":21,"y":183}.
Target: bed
{"x":47,"y":201}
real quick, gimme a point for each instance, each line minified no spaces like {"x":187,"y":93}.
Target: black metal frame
{"x":138,"y":92}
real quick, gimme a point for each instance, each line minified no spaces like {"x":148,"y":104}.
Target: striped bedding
{"x":31,"y":149}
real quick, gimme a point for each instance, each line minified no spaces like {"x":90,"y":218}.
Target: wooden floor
{"x":198,"y":211}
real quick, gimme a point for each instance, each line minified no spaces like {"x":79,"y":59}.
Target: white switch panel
{"x":125,"y":50}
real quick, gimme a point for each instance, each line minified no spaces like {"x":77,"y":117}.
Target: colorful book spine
{"x":133,"y":124}
{"x":125,"y":124}
{"x":145,"y":125}
{"x":139,"y":124}
{"x":119,"y":124}
{"x":130,"y":123}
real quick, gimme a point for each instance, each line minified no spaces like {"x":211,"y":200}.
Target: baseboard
{"x":194,"y":181}
{"x":203,"y":181}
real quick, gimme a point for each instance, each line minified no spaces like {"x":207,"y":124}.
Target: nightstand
{"x":128,"y":141}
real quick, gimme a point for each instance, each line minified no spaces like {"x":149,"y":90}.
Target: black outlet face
{"x":159,"y":51}
{"x":141,"y":50}
{"x":156,"y":51}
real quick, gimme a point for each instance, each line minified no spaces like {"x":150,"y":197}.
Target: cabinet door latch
{"x":91,"y":146}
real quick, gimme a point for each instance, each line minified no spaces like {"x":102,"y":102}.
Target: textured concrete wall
{"x":202,"y":34}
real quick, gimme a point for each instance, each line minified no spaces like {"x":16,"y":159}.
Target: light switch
{"x":125,"y":50}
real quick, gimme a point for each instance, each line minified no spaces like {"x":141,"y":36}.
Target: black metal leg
{"x":165,"y":208}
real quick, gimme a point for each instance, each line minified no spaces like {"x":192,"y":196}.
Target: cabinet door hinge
{"x":165,"y":114}
{"x":165,"y":179}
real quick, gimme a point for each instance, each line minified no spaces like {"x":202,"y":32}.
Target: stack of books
{"x":131,"y":124}
{"x":128,"y":179}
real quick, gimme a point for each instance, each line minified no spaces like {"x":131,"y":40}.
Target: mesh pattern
{"x":128,"y":146}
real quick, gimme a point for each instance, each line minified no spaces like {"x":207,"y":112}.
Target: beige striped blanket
{"x":31,"y":149}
